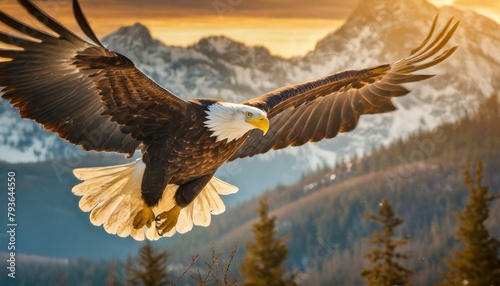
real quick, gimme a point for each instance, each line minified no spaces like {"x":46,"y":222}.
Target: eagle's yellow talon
{"x":167,"y":220}
{"x":144,"y":217}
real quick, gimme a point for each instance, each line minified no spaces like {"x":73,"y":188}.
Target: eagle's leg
{"x":144,"y":217}
{"x":165,"y":221}
{"x":153,"y":184}
{"x":184,"y":195}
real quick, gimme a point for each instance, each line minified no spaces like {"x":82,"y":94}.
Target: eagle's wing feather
{"x":90,"y":95}
{"x":322,"y":108}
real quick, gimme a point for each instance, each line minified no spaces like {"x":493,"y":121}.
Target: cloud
{"x":286,"y":27}
{"x":322,"y":9}
{"x":183,"y":22}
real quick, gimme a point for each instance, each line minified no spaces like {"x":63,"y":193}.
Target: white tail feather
{"x":113,"y":196}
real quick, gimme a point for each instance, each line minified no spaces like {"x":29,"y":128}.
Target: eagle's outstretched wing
{"x":90,"y":95}
{"x":322,"y":108}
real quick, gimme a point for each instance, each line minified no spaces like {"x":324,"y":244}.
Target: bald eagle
{"x":96,"y":98}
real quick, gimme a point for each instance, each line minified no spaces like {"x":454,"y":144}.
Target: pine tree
{"x":478,"y":262}
{"x":264,"y":263}
{"x":112,"y":279}
{"x":386,"y":269}
{"x":151,"y":269}
{"x":130,"y":279}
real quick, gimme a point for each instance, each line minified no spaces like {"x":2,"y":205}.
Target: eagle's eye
{"x":248,"y":114}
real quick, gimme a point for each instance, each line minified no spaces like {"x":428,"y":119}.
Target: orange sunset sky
{"x":287,"y":28}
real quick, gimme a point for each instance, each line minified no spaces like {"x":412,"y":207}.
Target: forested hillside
{"x":324,"y":213}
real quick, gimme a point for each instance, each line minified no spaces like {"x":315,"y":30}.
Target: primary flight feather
{"x":98,"y":99}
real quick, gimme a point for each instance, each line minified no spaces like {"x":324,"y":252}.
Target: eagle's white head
{"x":231,"y":121}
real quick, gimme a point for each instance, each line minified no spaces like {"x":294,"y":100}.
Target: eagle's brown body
{"x":193,"y":160}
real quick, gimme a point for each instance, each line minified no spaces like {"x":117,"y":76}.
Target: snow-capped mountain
{"x":376,"y":32}
{"x":216,"y":66}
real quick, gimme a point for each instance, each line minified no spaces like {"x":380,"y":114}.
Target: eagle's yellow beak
{"x":260,"y":122}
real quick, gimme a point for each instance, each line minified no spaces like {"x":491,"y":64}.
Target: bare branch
{"x":194,"y":259}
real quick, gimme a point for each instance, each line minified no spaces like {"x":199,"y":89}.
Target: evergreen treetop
{"x":386,"y":270}
{"x":264,"y":263}
{"x":151,"y":267}
{"x":478,"y":262}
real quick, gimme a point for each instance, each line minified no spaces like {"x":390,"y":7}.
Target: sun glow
{"x":488,"y":8}
{"x":284,"y":37}
{"x":283,"y":30}
{"x":290,"y":37}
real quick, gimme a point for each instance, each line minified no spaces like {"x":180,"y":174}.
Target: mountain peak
{"x":234,"y":52}
{"x":137,"y":33}
{"x":138,"y":28}
{"x":219,"y":44}
{"x":134,"y":30}
{"x":384,"y":11}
